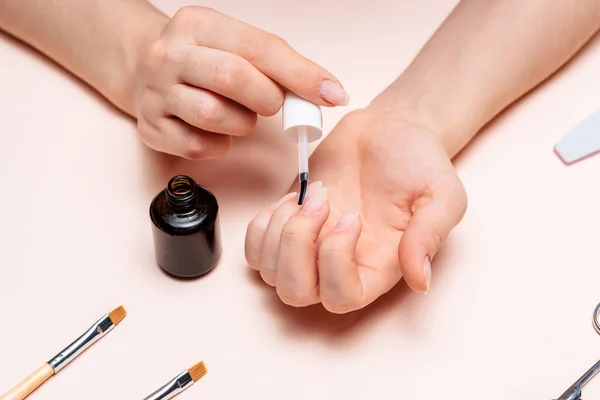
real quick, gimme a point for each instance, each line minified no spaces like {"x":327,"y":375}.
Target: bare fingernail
{"x":313,"y":189}
{"x":333,"y":93}
{"x":427,"y":271}
{"x":283,"y":200}
{"x":315,"y":203}
{"x":347,"y":221}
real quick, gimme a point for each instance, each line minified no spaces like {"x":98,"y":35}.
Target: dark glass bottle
{"x":185,"y":228}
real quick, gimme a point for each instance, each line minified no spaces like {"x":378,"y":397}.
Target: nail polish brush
{"x":303,"y":124}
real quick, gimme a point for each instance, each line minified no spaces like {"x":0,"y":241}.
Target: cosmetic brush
{"x":57,"y":363}
{"x":302,"y":124}
{"x":180,"y":383}
{"x":302,"y":162}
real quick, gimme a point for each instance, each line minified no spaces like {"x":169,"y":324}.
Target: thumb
{"x":428,"y":229}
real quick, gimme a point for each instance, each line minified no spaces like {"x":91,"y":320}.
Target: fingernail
{"x":427,"y":271}
{"x":312,"y":189}
{"x":347,"y":221}
{"x":316,"y":202}
{"x":283,"y":200}
{"x":333,"y":93}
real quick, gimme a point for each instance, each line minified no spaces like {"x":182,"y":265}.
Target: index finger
{"x":269,"y":54}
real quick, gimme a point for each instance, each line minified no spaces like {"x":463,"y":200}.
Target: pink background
{"x":508,"y":316}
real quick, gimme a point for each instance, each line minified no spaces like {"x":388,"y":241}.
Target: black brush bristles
{"x":303,"y":186}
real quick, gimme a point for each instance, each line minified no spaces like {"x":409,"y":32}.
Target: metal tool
{"x":175,"y":386}
{"x":574,"y":392}
{"x":91,"y":336}
{"x":180,"y":383}
{"x":595,"y":318}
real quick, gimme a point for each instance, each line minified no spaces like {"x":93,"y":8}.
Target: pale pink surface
{"x":508,"y":315}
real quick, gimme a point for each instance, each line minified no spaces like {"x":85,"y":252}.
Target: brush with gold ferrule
{"x":180,"y":383}
{"x":52,"y":367}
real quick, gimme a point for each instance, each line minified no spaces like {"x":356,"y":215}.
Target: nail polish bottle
{"x":185,"y":228}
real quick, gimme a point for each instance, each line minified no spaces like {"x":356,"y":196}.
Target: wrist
{"x":419,"y":106}
{"x":138,"y":37}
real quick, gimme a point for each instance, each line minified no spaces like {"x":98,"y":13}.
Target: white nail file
{"x":580,"y":142}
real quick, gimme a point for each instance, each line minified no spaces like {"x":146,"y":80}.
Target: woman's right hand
{"x":207,"y":77}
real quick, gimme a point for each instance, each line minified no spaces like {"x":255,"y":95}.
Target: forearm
{"x":98,"y":41}
{"x":486,"y":55}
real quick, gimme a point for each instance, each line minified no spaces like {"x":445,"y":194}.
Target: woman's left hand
{"x":385,"y":196}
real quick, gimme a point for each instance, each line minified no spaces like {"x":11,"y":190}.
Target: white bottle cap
{"x":298,"y":112}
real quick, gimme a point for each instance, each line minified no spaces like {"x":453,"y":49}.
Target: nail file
{"x":580,"y":142}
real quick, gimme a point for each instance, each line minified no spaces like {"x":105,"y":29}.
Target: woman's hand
{"x":389,"y":198}
{"x":208,"y":76}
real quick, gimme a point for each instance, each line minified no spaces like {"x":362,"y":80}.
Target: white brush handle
{"x":30,"y":383}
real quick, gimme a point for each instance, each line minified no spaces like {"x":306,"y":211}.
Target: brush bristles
{"x":117,"y":315}
{"x":198,"y":371}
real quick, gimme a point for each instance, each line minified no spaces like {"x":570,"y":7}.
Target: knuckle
{"x":331,"y":249}
{"x":282,"y":216}
{"x":146,"y":107}
{"x":359,"y":116}
{"x":163,"y":51}
{"x":155,"y":58}
{"x":208,"y":113}
{"x":175,"y":55}
{"x":273,"y":103}
{"x":254,"y":238}
{"x":184,"y":14}
{"x":195,"y":149}
{"x":256,"y":228}
{"x":145,"y":133}
{"x":251,"y":255}
{"x":274,"y":40}
{"x":158,"y":50}
{"x":187,"y":15}
{"x":291,"y":234}
{"x":191,"y":17}
{"x":172,"y":99}
{"x":162,"y":125}
{"x":229,"y":75}
{"x":278,"y":39}
{"x":247,"y":127}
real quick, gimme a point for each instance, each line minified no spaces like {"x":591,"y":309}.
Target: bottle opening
{"x":181,"y":192}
